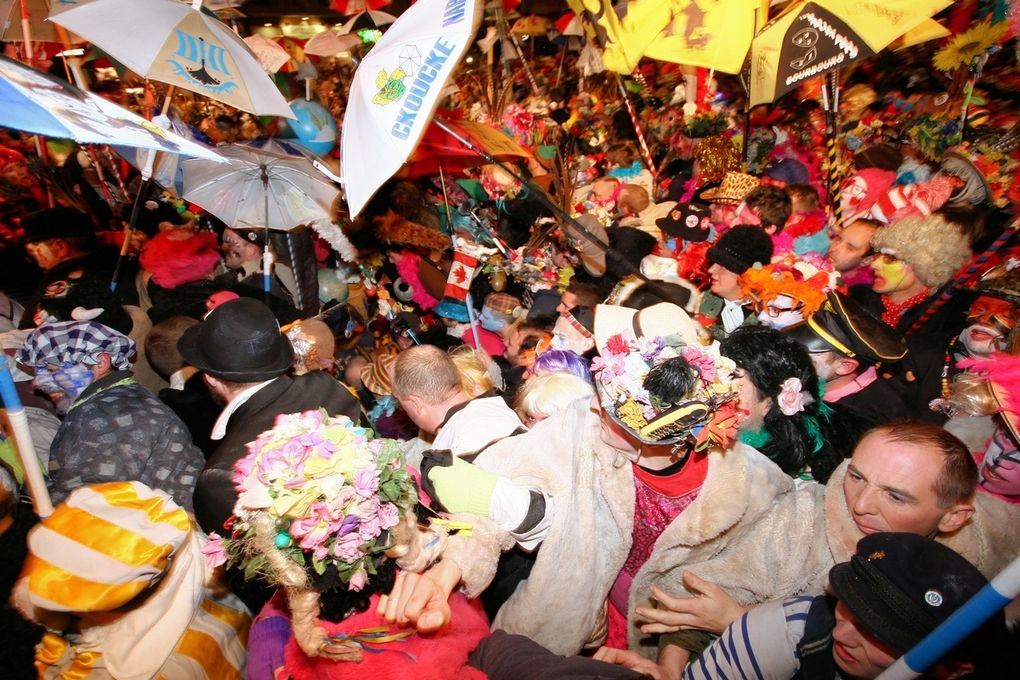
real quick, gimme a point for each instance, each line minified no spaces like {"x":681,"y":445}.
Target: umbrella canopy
{"x":259,"y":188}
{"x":349,"y":7}
{"x":812,"y":38}
{"x":38,"y":11}
{"x":176,"y":43}
{"x":396,"y":88}
{"x":331,"y":43}
{"x":270,"y":54}
{"x":439,"y":149}
{"x":531,"y":25}
{"x":39,"y":103}
{"x":569,"y":24}
{"x":366,"y":19}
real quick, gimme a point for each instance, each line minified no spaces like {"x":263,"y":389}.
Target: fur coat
{"x":729,"y":534}
{"x":990,"y":540}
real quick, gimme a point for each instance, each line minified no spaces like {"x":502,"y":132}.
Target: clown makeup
{"x":63,"y":384}
{"x":780,"y":312}
{"x":1000,"y":470}
{"x":988,"y":323}
{"x":891,"y":274}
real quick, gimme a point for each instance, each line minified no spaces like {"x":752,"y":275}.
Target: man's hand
{"x":710,"y":609}
{"x":421,"y":599}
{"x":631,"y":660}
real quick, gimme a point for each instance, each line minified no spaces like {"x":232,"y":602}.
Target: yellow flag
{"x":708,"y":33}
{"x":623,"y":41}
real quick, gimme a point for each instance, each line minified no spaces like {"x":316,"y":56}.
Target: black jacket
{"x":214,"y":494}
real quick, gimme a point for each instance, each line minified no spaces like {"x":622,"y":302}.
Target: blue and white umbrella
{"x":176,"y":43}
{"x":32,"y":101}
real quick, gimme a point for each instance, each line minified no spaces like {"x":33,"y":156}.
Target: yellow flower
{"x":632,"y":414}
{"x":295,"y":502}
{"x":968,"y":46}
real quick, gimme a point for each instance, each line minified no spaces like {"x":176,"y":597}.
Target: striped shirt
{"x":760,"y":645}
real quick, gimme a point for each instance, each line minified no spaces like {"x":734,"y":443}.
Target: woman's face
{"x":750,"y":400}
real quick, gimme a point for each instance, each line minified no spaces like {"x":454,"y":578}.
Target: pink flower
{"x":358,"y":580}
{"x":617,"y":345}
{"x":214,"y":551}
{"x":348,"y":548}
{"x":366,"y":482}
{"x":791,"y":397}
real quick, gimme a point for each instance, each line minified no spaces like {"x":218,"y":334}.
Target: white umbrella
{"x":270,"y":53}
{"x":331,"y":43}
{"x":368,"y":19}
{"x":396,"y":89}
{"x":260,"y":189}
{"x":36,"y":102}
{"x":176,"y":43}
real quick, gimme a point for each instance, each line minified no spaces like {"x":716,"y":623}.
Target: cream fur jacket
{"x":731,"y":533}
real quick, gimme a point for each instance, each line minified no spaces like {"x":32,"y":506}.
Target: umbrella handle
{"x":130,"y":226}
{"x":23,"y":443}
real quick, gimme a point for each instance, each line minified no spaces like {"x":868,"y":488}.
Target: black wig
{"x":816,"y":437}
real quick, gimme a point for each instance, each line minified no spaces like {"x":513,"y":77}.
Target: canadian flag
{"x":461,"y":273}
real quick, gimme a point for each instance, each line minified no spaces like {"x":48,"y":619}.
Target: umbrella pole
{"x":143,"y":190}
{"x":23,"y":443}
{"x":267,"y":255}
{"x":472,"y":321}
{"x":543,"y":198}
{"x":987,"y":602}
{"x":563,"y":58}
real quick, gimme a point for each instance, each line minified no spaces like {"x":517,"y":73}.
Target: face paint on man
{"x":891,"y":274}
{"x":989,"y":321}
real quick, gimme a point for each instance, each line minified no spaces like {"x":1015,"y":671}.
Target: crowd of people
{"x":661,"y":400}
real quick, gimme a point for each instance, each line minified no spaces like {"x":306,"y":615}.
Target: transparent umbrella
{"x":260,"y":188}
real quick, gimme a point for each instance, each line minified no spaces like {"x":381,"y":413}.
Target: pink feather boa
{"x":407,"y":267}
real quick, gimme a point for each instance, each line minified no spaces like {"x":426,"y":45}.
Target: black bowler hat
{"x":840,"y":325}
{"x":900,"y":587}
{"x":238,"y":341}
{"x":49,"y":223}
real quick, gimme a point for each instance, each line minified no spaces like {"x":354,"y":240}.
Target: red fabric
{"x":894,"y":312}
{"x":178,"y":256}
{"x":442,"y":656}
{"x":492,"y":344}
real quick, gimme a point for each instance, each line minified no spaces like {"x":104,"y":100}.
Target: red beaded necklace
{"x":894,"y":311}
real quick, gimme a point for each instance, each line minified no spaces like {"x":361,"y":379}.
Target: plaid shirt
{"x":65,"y":343}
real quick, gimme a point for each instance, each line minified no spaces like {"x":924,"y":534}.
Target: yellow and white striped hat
{"x":102,"y":546}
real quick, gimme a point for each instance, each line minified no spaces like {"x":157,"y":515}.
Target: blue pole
{"x":23,"y":442}
{"x":964,"y":621}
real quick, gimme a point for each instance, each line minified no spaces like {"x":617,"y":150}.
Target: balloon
{"x":331,"y":286}
{"x":315,"y":127}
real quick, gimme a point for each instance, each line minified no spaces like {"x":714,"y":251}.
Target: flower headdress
{"x":330,"y":492}
{"x":665,"y":391}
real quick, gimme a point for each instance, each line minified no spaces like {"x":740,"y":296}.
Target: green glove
{"x":462,"y":487}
